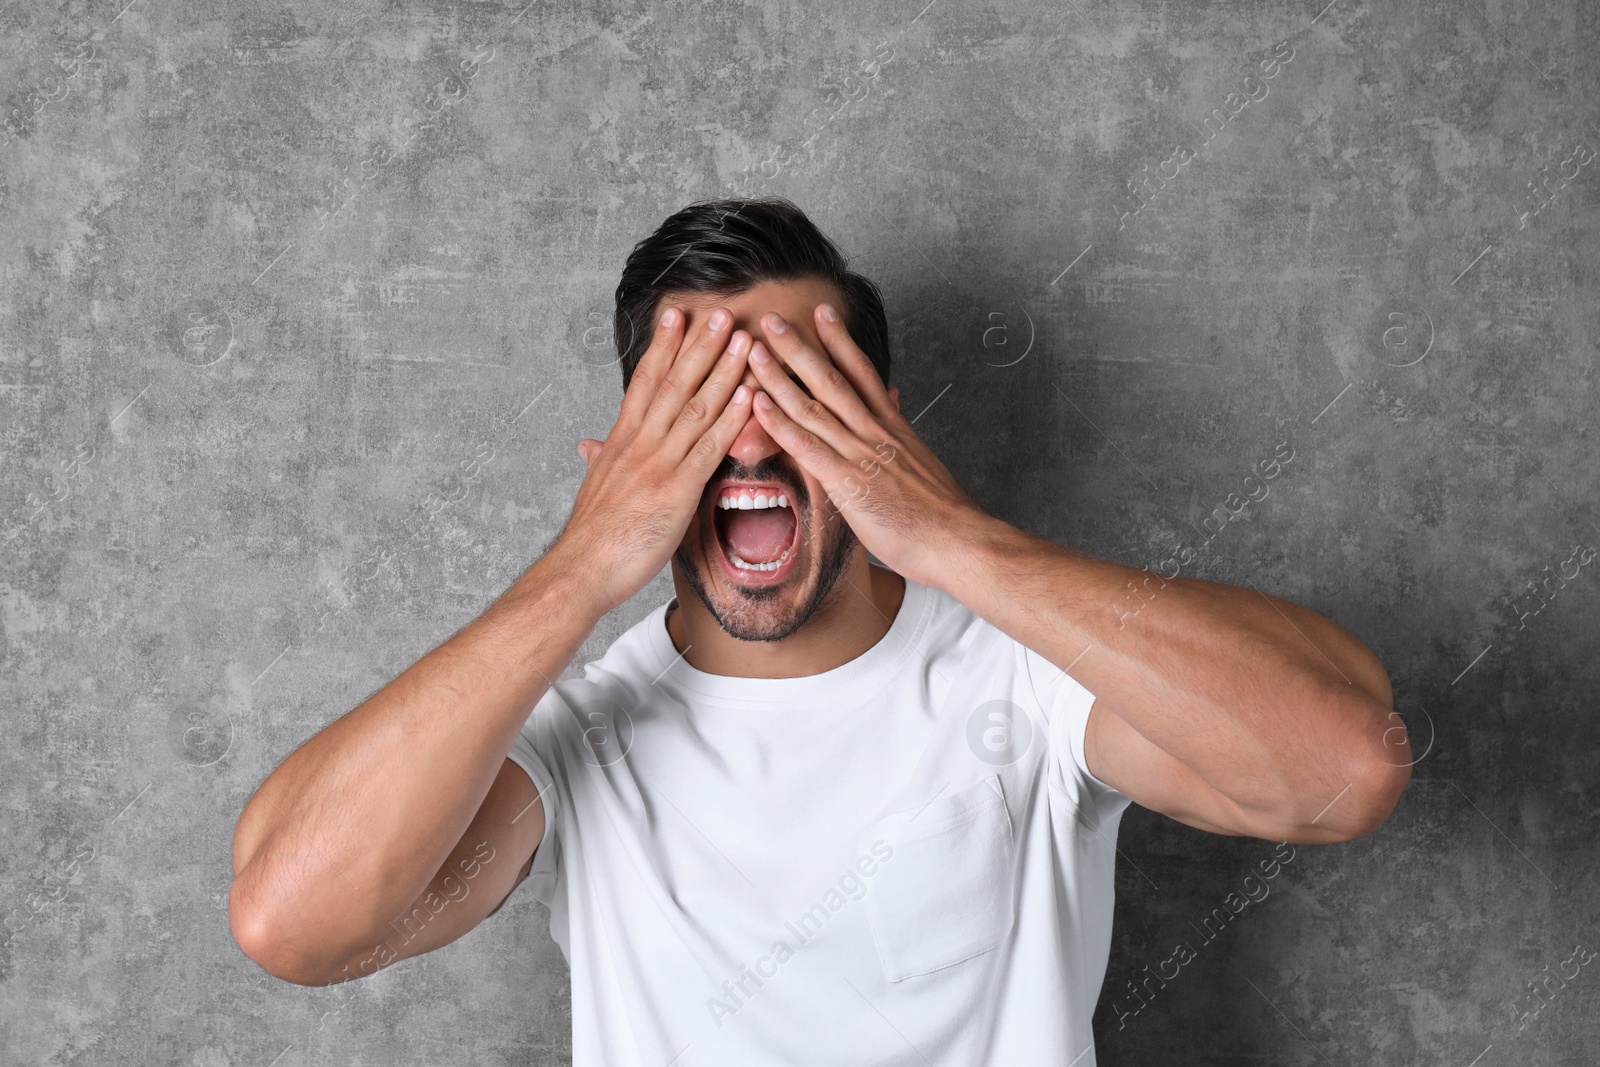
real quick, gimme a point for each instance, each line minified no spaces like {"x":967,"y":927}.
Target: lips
{"x":757,"y":529}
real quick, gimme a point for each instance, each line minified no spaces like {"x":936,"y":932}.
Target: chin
{"x":766,"y":605}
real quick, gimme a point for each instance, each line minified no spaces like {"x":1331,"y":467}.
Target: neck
{"x":854,"y":616}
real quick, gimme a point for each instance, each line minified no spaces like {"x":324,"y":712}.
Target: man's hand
{"x":1222,"y":707}
{"x":901,"y":502}
{"x":678,"y":420}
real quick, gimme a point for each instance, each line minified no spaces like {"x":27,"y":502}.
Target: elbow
{"x":1360,"y":788}
{"x":263,"y":940}
{"x":1382,"y":762}
{"x":1380,"y":795}
{"x":1376,"y":781}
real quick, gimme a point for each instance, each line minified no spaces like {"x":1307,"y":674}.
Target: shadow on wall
{"x":983,"y":388}
{"x":975,"y":378}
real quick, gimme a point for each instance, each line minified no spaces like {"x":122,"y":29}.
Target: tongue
{"x":758,"y":536}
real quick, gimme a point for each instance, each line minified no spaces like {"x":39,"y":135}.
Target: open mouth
{"x":757,"y":530}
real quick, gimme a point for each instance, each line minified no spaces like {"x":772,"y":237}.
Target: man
{"x":811,"y":810}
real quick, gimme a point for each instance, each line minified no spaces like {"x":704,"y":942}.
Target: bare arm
{"x":1223,"y":707}
{"x":491,"y":859}
{"x":392,"y":806}
{"x":350,"y":831}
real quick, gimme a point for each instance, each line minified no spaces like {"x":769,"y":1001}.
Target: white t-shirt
{"x":903,"y":860}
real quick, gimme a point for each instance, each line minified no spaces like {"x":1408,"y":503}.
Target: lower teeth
{"x":733,"y":557}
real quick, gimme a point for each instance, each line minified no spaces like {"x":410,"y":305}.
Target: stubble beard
{"x":745,"y":619}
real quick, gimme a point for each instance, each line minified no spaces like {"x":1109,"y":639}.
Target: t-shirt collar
{"x":860,"y":676}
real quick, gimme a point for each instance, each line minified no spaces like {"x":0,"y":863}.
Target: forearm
{"x":1272,"y":704}
{"x":1272,"y":707}
{"x":351,"y":827}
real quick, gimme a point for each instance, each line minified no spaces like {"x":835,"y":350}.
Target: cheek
{"x":826,"y":520}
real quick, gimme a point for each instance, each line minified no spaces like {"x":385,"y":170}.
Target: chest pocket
{"x":945,"y":893}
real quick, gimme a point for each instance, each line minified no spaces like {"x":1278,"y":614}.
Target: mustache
{"x":771,"y":470}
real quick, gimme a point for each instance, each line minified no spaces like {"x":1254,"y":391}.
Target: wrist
{"x":978,"y":543}
{"x":567,"y":576}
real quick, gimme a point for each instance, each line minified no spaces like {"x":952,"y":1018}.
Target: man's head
{"x":723,"y":247}
{"x":752,"y":257}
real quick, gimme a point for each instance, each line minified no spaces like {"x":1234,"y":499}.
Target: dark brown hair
{"x":724,"y":247}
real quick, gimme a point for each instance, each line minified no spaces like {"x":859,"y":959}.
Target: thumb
{"x":588,"y":449}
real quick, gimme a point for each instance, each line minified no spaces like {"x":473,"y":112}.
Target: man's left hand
{"x":849,"y":434}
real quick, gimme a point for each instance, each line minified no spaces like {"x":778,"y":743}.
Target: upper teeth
{"x":745,"y":500}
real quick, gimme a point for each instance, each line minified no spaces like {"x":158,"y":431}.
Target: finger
{"x":653,"y":366}
{"x":588,"y":449}
{"x":706,"y":406}
{"x":688,"y":373}
{"x":813,"y":453}
{"x":849,"y":358}
{"x":709,"y":449}
{"x":809,"y":412}
{"x":826,"y":382}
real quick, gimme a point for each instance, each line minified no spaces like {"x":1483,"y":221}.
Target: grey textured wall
{"x":303,"y":308}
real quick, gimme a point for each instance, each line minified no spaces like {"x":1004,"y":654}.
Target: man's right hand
{"x":684,"y":407}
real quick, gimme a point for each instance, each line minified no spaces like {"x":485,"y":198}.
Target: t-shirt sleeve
{"x":1066,"y":705}
{"x":525,"y":754}
{"x":535,"y":751}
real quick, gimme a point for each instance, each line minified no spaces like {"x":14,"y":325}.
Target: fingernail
{"x":669,"y":318}
{"x":763,"y":401}
{"x":719,"y":319}
{"x":741,"y":394}
{"x":739,"y":344}
{"x":758,"y":354}
{"x":776,"y":324}
{"x":829,"y":314}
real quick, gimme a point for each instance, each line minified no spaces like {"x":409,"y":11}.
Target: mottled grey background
{"x":276,"y":297}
